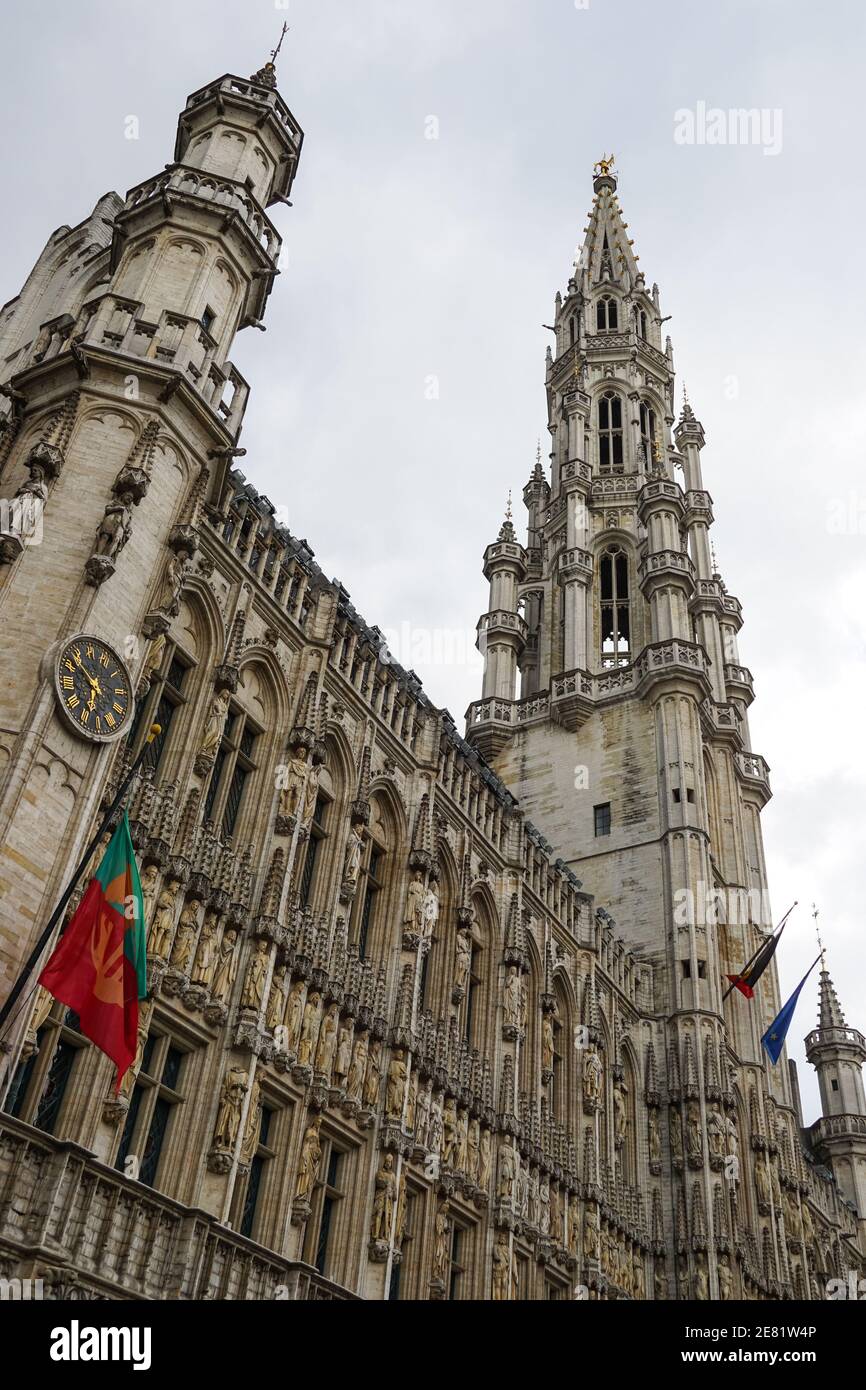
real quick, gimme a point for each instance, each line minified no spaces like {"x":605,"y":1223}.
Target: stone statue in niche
{"x":205,"y":955}
{"x":230,"y":1108}
{"x":226,"y":966}
{"x":383,"y":1202}
{"x":357,"y":1071}
{"x":311,"y":1156}
{"x":413,"y":917}
{"x":295,"y":1015}
{"x":254,"y":985}
{"x":215,"y":724}
{"x":184,"y":942}
{"x":163,"y":922}
{"x":309,"y":1029}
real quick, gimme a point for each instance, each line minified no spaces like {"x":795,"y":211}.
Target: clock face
{"x":93,"y":689}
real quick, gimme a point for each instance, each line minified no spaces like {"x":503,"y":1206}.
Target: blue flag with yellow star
{"x":774,"y":1038}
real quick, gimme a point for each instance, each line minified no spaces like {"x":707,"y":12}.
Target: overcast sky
{"x":410,"y":258}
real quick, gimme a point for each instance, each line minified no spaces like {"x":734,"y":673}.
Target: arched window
{"x":572,"y":329}
{"x":317,"y":842}
{"x":640,"y":323}
{"x":647,"y":433}
{"x":610,"y":455}
{"x":371,"y":922}
{"x":606,"y":319}
{"x":615,"y":608}
{"x":233,"y":765}
{"x":169,"y":691}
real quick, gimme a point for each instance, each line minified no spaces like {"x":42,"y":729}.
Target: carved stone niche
{"x":183,"y":540}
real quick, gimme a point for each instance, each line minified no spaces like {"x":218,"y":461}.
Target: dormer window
{"x":610,"y":456}
{"x":606,"y":319}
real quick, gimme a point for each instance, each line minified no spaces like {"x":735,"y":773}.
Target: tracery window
{"x":610,"y":448}
{"x":606,"y":314}
{"x":615,"y":608}
{"x":647,"y":433}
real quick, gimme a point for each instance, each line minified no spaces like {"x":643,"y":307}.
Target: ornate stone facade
{"x":394,"y":1046}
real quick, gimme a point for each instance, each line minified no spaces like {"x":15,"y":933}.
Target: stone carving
{"x":293,"y":797}
{"x":512,"y":997}
{"x":149,"y":879}
{"x":473,"y":1150}
{"x":373,"y":1075}
{"x":484,"y":1160}
{"x":411,"y":1102}
{"x":449,"y":1133}
{"x":252,"y":1128}
{"x":442,"y":1244}
{"x":343,"y":1059}
{"x":205,"y":955}
{"x":620,"y":1115}
{"x":591,"y":1233}
{"x":694,"y":1138}
{"x":431,"y":910}
{"x":716,"y":1136}
{"x":434,"y":1133}
{"x":213,"y":731}
{"x":184,"y":941}
{"x":311,"y":1157}
{"x":276,"y":999}
{"x":422,"y":1113}
{"x":162,"y":926}
{"x":463,"y":963}
{"x":327,"y":1045}
{"x":309,"y":1029}
{"x":352,"y":862}
{"x":501,"y":1267}
{"x":226,"y":965}
{"x":112,"y":534}
{"x":396,"y":1089}
{"x":358,"y":1069}
{"x":726,"y":1279}
{"x":254,"y":985}
{"x":230,"y":1109}
{"x":173,"y":580}
{"x":592,"y":1080}
{"x":547,"y":1044}
{"x":413,"y":917}
{"x":295,"y":1015}
{"x":383,"y":1202}
{"x":653,"y":1136}
{"x":507,"y":1171}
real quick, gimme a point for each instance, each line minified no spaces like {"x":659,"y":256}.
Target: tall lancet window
{"x":606,"y":320}
{"x":647,"y":434}
{"x":615,"y":609}
{"x":610,"y":433}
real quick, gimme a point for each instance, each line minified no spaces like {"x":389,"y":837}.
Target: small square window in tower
{"x":602,"y":819}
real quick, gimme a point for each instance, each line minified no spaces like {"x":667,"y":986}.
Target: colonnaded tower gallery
{"x":425,"y":1017}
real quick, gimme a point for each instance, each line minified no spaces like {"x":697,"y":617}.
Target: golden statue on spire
{"x":604,"y":165}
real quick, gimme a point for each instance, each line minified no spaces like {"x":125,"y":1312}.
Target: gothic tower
{"x":628,"y":740}
{"x":123,"y":411}
{"x":837,"y":1053}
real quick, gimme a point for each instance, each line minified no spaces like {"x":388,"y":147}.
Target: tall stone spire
{"x":837,"y":1053}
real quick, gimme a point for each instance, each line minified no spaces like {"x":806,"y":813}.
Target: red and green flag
{"x":99,"y":967}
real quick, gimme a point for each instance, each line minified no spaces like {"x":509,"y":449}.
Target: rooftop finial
{"x":509,"y":516}
{"x":604,"y":165}
{"x":276,"y":50}
{"x":267,"y":76}
{"x":716,"y":574}
{"x":604,"y":175}
{"x":815,"y":915}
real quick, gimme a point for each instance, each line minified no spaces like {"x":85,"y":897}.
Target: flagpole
{"x":32,"y":959}
{"x":753,"y":958}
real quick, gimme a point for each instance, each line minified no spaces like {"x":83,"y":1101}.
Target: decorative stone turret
{"x":838,"y":1053}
